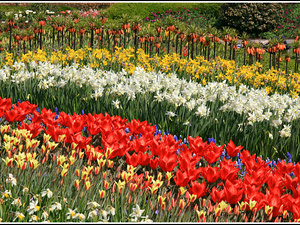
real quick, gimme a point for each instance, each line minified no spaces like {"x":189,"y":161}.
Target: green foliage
{"x":51,"y":7}
{"x":267,"y":35}
{"x":289,"y":21}
{"x":145,"y":9}
{"x":253,"y":18}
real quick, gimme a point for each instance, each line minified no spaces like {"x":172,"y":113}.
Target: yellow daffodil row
{"x":198,"y":69}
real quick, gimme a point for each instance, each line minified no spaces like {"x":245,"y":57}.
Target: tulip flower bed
{"x":42,"y":30}
{"x":104,"y":168}
{"x":266,"y":124}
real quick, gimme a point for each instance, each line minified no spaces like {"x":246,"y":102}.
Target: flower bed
{"x":192,"y":181}
{"x":183,"y":107}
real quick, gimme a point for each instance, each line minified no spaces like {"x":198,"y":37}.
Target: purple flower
{"x":195,"y":8}
{"x":151,"y":12}
{"x":199,"y":16}
{"x":188,"y":14}
{"x":179,"y":7}
{"x":187,"y":10}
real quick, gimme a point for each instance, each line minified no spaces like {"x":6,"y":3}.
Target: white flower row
{"x":255,"y":103}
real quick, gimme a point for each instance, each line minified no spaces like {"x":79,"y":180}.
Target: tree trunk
{"x":192,"y":50}
{"x":244,"y":55}
{"x":180,"y":48}
{"x":278,"y":64}
{"x":169,"y":42}
{"x":92,"y":38}
{"x":10,"y":30}
{"x":41,"y":36}
{"x":58,"y":41}
{"x":53,"y":37}
{"x":62,"y":38}
{"x":176,"y":44}
{"x":225,"y":50}
{"x":296,"y":63}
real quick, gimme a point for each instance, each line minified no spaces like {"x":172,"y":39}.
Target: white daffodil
{"x":116,"y":103}
{"x":25,"y":189}
{"x":105,"y":217}
{"x":170,"y":114}
{"x":33,"y":218}
{"x":71,"y":214}
{"x":45,"y":215}
{"x":92,"y":204}
{"x":79,"y":216}
{"x":137,"y":212}
{"x":11,"y":180}
{"x":7,"y":194}
{"x":146,"y":220}
{"x":93,"y":214}
{"x":112,"y":210}
{"x":47,"y":192}
{"x":33,"y":207}
{"x":286,"y":131}
{"x":17,"y":202}
{"x":19,"y":216}
{"x":55,"y":206}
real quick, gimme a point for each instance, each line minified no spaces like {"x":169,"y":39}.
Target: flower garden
{"x":119,"y":124}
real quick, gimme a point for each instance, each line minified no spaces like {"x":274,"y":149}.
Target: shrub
{"x":144,"y":9}
{"x":253,"y":18}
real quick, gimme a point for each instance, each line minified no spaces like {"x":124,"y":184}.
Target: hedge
{"x":144,"y":9}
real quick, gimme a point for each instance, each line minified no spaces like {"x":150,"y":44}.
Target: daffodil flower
{"x":71,"y":214}
{"x":11,"y":180}
{"x":47,"y":192}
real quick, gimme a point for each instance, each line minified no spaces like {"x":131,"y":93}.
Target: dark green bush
{"x":38,"y":7}
{"x":144,"y":9}
{"x":253,"y":18}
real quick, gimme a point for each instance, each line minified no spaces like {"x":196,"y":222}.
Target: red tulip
{"x":231,"y":150}
{"x":181,"y":179}
{"x":198,"y":189}
{"x":154,"y":163}
{"x":11,"y":115}
{"x":228,"y":171}
{"x":213,"y":153}
{"x":210,"y":174}
{"x":34,"y":128}
{"x":216,"y":195}
{"x":233,"y":191}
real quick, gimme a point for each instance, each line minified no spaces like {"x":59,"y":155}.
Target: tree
{"x":254,"y":18}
